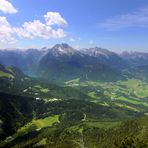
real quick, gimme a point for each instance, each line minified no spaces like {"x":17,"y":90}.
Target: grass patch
{"x":6,"y":75}
{"x":137,"y":86}
{"x":41,"y":89}
{"x":93,"y":95}
{"x":42,"y":142}
{"x":77,"y":128}
{"x":38,"y":124}
{"x":132,"y":101}
{"x":127,"y":106}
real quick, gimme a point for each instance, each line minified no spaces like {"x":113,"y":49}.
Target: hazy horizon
{"x":75,"y":47}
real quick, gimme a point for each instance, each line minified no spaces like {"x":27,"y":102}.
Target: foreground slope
{"x":72,"y":129}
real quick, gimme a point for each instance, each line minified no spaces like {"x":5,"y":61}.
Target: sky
{"x":118,"y":25}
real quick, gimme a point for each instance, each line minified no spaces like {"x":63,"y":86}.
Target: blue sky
{"x":114,"y":24}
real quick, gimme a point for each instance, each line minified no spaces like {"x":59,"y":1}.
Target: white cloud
{"x":6,"y":31}
{"x":29,"y":30}
{"x":7,"y":7}
{"x":21,"y":32}
{"x":138,"y":18}
{"x":54,"y":18}
{"x":35,"y":29}
{"x":72,"y":40}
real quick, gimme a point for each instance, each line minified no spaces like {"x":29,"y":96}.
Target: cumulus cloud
{"x":31,"y":30}
{"x":36,"y":28}
{"x":54,"y":18}
{"x":138,"y":18}
{"x":6,"y":31}
{"x":7,"y":7}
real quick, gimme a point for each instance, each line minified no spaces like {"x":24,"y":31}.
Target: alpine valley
{"x":62,"y":97}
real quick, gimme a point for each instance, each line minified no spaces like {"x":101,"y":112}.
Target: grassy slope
{"x":132,"y":133}
{"x":26,"y":86}
{"x":37,"y":124}
{"x":128,"y":94}
{"x":6,"y":75}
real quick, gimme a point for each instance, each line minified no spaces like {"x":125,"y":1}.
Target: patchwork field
{"x":131,"y":94}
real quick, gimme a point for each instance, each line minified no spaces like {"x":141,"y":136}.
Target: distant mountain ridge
{"x":62,"y":49}
{"x":105,"y":56}
{"x":32,"y":56}
{"x":136,"y":58}
{"x":25,"y":60}
{"x":62,"y":62}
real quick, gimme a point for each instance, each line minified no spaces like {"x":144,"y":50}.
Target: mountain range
{"x":62,"y":63}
